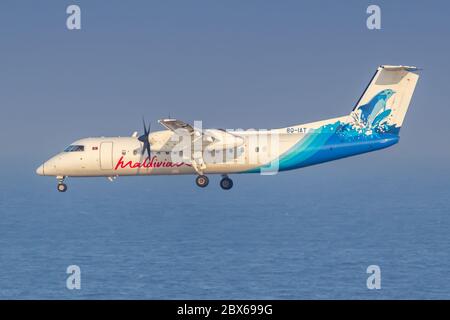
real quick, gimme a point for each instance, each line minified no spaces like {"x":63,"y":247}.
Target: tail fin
{"x":386,"y":99}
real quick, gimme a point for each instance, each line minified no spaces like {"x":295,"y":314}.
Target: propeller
{"x":144,"y":139}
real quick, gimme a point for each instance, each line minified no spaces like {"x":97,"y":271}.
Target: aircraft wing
{"x":216,"y":138}
{"x":210,"y":139}
{"x":174,"y":125}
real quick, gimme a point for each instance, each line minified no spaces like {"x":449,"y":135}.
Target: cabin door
{"x":106,"y":155}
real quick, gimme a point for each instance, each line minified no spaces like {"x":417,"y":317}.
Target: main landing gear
{"x":62,"y":187}
{"x":202,"y":181}
{"x":225,"y":183}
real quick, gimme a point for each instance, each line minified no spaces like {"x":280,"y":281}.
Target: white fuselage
{"x":242,"y":152}
{"x":121,"y":156}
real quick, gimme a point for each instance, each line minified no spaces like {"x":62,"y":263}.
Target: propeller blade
{"x":146,"y":144}
{"x":148,"y":151}
{"x":145,"y":127}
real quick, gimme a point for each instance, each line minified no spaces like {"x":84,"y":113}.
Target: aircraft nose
{"x":40,"y":170}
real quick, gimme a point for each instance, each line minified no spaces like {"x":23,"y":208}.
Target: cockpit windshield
{"x":73,"y":148}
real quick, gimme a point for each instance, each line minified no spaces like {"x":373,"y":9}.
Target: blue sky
{"x":232,"y":64}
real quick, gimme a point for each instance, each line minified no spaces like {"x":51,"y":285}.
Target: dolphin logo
{"x":370,"y":110}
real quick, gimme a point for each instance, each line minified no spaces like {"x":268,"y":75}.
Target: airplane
{"x":373,"y":124}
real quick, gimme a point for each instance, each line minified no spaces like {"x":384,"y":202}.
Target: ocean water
{"x":307,"y":234}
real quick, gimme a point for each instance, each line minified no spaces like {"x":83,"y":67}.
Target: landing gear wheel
{"x":202,"y":181}
{"x":61,"y":187}
{"x":226,"y":183}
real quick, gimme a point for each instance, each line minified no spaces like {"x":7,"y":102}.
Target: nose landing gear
{"x":62,"y":187}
